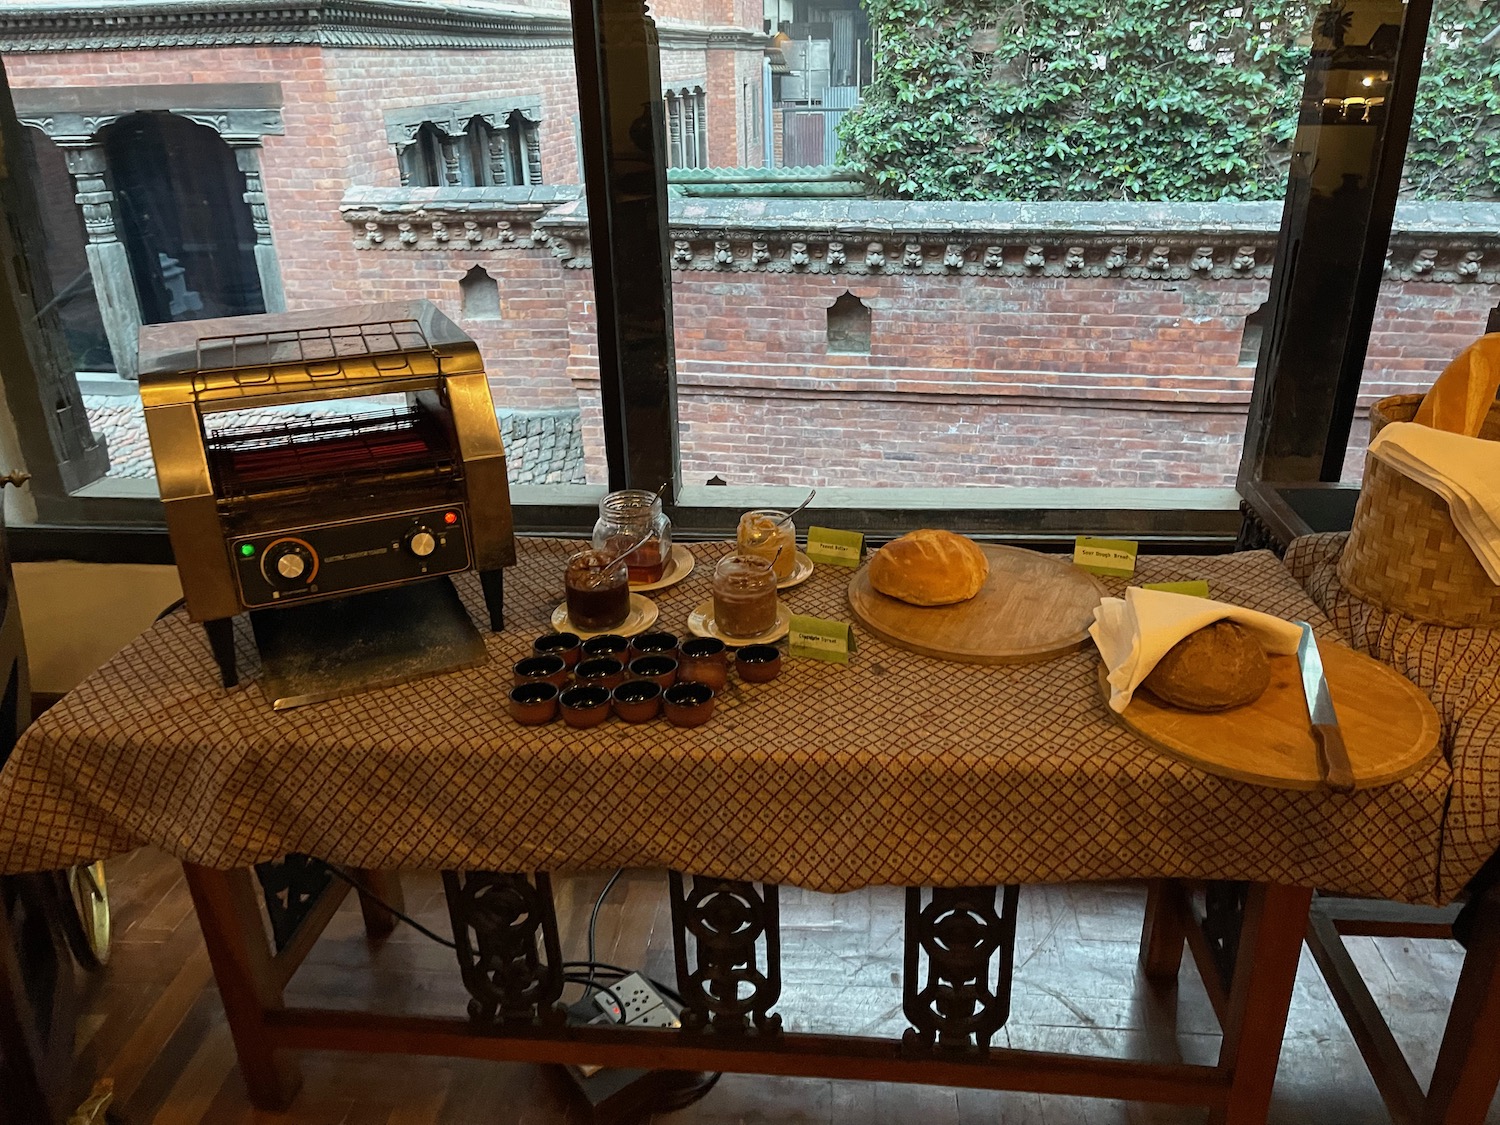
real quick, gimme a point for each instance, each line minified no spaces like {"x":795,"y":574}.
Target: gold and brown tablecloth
{"x":897,"y":769}
{"x":1459,"y":669}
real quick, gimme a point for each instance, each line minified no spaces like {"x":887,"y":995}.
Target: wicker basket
{"x":1404,"y":553}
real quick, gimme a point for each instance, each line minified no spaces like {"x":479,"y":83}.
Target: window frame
{"x":616,"y":52}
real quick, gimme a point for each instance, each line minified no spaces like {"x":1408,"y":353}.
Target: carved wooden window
{"x":687,"y":128}
{"x":471,"y":144}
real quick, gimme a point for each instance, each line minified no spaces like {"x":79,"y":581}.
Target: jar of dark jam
{"x":628,"y":516}
{"x":598,"y":591}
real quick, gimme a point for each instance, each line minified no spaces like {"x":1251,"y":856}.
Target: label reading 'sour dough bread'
{"x":1113,"y":557}
{"x":840,"y":548}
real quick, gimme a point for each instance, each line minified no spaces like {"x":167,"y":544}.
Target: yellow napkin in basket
{"x":1464,"y":471}
{"x":1135,"y":632}
{"x":1461,"y":398}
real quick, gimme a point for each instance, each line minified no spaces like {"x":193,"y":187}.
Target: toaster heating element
{"x":308,"y":456}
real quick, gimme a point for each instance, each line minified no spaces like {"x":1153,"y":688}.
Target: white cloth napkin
{"x":1464,"y":471}
{"x":1135,"y":632}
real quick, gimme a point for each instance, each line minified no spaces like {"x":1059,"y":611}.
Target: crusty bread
{"x":929,"y":567}
{"x":1218,"y":667}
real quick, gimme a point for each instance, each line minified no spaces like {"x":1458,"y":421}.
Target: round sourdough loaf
{"x":1218,"y":667}
{"x":929,"y":567}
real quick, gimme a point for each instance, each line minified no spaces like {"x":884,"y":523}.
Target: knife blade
{"x":1333,"y":758}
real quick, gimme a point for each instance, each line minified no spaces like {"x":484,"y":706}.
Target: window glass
{"x":1441,"y":287}
{"x":177,"y":183}
{"x":957,"y":244}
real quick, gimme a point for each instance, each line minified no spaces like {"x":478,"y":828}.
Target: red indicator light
{"x":450,"y":517}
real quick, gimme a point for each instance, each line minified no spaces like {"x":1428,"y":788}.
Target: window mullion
{"x":618,"y":67}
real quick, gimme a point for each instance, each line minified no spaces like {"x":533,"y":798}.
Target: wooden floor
{"x":154,"y":1024}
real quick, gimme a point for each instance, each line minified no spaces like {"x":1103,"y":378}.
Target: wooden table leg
{"x":1164,"y":931}
{"x":229,"y":916}
{"x":379,"y":890}
{"x":1260,"y":994}
{"x":1468,"y":1063}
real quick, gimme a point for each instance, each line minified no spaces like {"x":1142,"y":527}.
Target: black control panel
{"x":341,"y":558}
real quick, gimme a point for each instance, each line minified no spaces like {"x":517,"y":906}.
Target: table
{"x":1460,"y":670}
{"x":896,"y":770}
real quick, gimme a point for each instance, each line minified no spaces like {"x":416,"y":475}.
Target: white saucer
{"x":680,"y":564}
{"x":802,"y":570}
{"x":641,"y":617}
{"x":701,"y":623}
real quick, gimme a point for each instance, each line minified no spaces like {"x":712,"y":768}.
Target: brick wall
{"x":1026,"y":380}
{"x":334,"y":102}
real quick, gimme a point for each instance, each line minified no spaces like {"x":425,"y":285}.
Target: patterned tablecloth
{"x":1458,"y":668}
{"x":897,"y":769}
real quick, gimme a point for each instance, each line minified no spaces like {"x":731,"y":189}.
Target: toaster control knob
{"x":421,"y":543}
{"x":289,"y":563}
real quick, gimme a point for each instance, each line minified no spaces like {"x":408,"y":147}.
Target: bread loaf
{"x":1213,"y":669}
{"x":929,"y":567}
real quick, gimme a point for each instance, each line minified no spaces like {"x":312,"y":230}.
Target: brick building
{"x":394,"y":150}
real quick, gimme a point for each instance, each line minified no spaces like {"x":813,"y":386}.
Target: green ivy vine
{"x":1173,"y":100}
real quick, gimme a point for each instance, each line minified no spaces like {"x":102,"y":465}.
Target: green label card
{"x":1196,"y":588}
{"x":841,"y":548}
{"x":818,"y":638}
{"x":1114,"y":557}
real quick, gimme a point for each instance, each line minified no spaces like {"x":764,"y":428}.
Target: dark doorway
{"x":183,"y":219}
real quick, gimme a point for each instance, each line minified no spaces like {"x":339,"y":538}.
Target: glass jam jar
{"x":744,"y":596}
{"x":761,"y":534}
{"x":597,"y":589}
{"x":624,"y":517}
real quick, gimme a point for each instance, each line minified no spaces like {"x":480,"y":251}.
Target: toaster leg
{"x":221,"y":640}
{"x":492,"y":582}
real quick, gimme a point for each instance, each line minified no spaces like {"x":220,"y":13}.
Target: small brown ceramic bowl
{"x":703,"y":660}
{"x":565,"y":645}
{"x":584,"y":705}
{"x":653,"y":644}
{"x":548,"y":669}
{"x":688,"y":704}
{"x":603,"y":671}
{"x":758,"y":664}
{"x":658,"y":669}
{"x":636,"y":701}
{"x":534,"y":703}
{"x":606,"y":644}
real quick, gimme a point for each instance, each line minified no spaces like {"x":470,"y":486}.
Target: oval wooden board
{"x":1032,"y":607}
{"x":1390,"y":727}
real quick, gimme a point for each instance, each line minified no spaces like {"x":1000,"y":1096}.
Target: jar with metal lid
{"x":624,"y":518}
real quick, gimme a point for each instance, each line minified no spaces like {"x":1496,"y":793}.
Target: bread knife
{"x":1333,"y":758}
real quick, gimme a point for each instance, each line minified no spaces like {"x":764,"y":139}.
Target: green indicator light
{"x":247,"y":549}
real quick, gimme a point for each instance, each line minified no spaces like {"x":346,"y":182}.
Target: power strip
{"x":616,"y":1095}
{"x":644,"y":1006}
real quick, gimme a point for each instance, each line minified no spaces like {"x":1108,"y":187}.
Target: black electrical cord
{"x":173,"y":608}
{"x":593,"y":925}
{"x":410,"y":921}
{"x":620,"y":974}
{"x":590,"y":982}
{"x":611,"y":993}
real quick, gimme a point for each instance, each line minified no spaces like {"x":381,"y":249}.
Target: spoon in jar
{"x":787,"y":518}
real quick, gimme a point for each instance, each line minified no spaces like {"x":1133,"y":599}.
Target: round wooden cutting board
{"x":1390,"y":727}
{"x":1032,"y":607}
